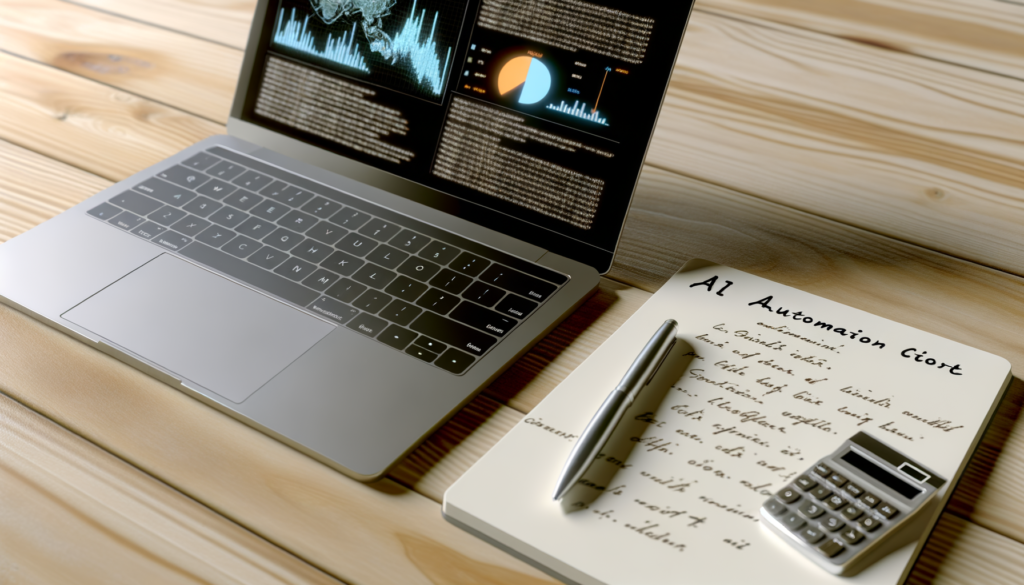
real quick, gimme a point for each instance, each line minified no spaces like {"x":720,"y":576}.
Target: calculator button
{"x":832,"y":548}
{"x":811,"y":510}
{"x":870,"y":523}
{"x":870,"y":500}
{"x":823,"y":470}
{"x":789,"y":495}
{"x":837,"y":479}
{"x":833,"y":523}
{"x":821,"y":492}
{"x":851,"y":512}
{"x":851,"y":536}
{"x":793,"y":522}
{"x":775,"y":507}
{"x":854,"y":490}
{"x":805,"y":483}
{"x":811,"y":535}
{"x":834,"y":502}
{"x":887,"y":510}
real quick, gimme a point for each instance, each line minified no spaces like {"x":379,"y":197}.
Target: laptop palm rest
{"x":206,"y":329}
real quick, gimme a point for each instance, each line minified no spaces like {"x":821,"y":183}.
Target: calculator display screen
{"x":881,"y":475}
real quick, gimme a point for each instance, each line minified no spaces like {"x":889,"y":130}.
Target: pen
{"x":601,"y":426}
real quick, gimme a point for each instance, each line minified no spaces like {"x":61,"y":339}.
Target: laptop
{"x":410,"y":195}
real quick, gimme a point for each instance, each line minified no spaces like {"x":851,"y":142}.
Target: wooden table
{"x":869,"y":151}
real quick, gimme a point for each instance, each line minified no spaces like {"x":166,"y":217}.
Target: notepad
{"x":767,"y":379}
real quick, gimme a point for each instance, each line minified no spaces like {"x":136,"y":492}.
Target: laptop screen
{"x":529,"y":116}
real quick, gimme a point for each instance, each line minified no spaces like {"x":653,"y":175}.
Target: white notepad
{"x":776,"y":379}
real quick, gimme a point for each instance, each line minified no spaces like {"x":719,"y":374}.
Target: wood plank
{"x":175,"y":69}
{"x":964,"y":553}
{"x":104,"y":131}
{"x":983,"y":34}
{"x":73,"y":513}
{"x":918,"y":150}
{"x":222,"y":21}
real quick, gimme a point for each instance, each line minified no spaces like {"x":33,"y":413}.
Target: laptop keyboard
{"x":418,"y":289}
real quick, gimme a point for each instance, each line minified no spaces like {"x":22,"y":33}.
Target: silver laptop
{"x":411,"y":194}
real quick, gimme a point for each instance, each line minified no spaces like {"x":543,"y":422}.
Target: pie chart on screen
{"x":527,"y":73}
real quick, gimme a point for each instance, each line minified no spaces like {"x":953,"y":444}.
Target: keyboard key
{"x":851,"y":536}
{"x":269,"y":258}
{"x":346,"y":290}
{"x":406,"y":288}
{"x":832,"y":548}
{"x":367,"y":325}
{"x":191,"y":226}
{"x":255,"y":227}
{"x":149,"y":230}
{"x":371,"y":301}
{"x":851,"y":512}
{"x":253,"y":181}
{"x":278,"y":286}
{"x":401,"y":312}
{"x":274,"y":190}
{"x":869,"y":523}
{"x":333,"y":310}
{"x":439,"y":252}
{"x":126,"y":220}
{"x":183,"y":177}
{"x":409,"y":241}
{"x":793,"y":521}
{"x":381,"y":230}
{"x":811,"y":535}
{"x":869,"y":499}
{"x":823,"y":470}
{"x":167,"y":215}
{"x":451,"y":282}
{"x":387,"y":256}
{"x":469,"y":264}
{"x":297,"y":221}
{"x":454,"y":361}
{"x":483,"y":294}
{"x":136,"y":203}
{"x":294,"y":196}
{"x":806,"y":483}
{"x":483,"y":319}
{"x":438,"y":301}
{"x":295,"y":269}
{"x":833,"y":523}
{"x":854,"y":490}
{"x":374,"y":276}
{"x":775,"y":507}
{"x":356,"y":244}
{"x":837,"y":480}
{"x":821,"y":492}
{"x":423,"y":354}
{"x":321,"y":279}
{"x":834,"y":502}
{"x":419,"y":268}
{"x":350,"y":218}
{"x":165,"y":192}
{"x":172,"y":240}
{"x":523,"y":285}
{"x":225,"y":170}
{"x":241,"y":246}
{"x":216,"y":189}
{"x":325,"y":232}
{"x":322,"y":208}
{"x":454,"y":334}
{"x":887,"y":510}
{"x":216,"y":236}
{"x":515,"y":306}
{"x":434,"y":346}
{"x":201,"y":161}
{"x":202,"y":206}
{"x":788,"y":495}
{"x":104,"y":211}
{"x":313,"y":251}
{"x":228,"y":217}
{"x":283,"y":239}
{"x":397,"y":337}
{"x":243,"y":199}
{"x":342,"y":263}
{"x":811,"y":510}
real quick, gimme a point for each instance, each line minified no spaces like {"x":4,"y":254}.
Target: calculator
{"x":845,"y":511}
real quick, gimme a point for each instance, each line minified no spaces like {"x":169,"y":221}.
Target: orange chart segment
{"x":513,"y":74}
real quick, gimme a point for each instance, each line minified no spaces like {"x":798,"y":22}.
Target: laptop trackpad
{"x":205,"y":328}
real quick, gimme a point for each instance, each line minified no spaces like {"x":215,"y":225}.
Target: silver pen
{"x":601,"y":426}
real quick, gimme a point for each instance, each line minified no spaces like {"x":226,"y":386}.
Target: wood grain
{"x":73,"y":513}
{"x":104,"y":131}
{"x":961,"y":552}
{"x":184,"y":72}
{"x":222,"y":21}
{"x":983,"y":34}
